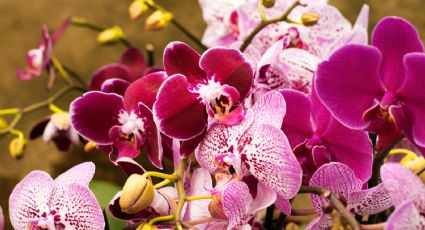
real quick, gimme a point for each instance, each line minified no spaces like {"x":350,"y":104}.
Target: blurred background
{"x":20,"y":26}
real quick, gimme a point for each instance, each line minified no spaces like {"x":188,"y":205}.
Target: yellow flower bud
{"x":216,"y":208}
{"x":3,"y":123}
{"x":292,"y":226}
{"x":158,"y":20}
{"x":146,"y":226}
{"x":417,"y":165}
{"x":110,"y":35}
{"x":310,"y":19}
{"x":17,"y":147}
{"x":137,"y":194}
{"x":268,"y":3}
{"x":89,"y":147}
{"x":137,"y":9}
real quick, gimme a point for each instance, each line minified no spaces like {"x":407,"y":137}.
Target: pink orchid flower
{"x":39,"y":202}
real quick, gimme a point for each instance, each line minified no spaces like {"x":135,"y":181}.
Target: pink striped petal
{"x":180,"y":58}
{"x":336,"y":177}
{"x":263,"y":199}
{"x":323,"y":222}
{"x":266,"y":151}
{"x":236,"y":203}
{"x":395,"y":37}
{"x":370,"y":201}
{"x":405,"y":216}
{"x":179,"y":112}
{"x":270,"y":109}
{"x":30,"y":198}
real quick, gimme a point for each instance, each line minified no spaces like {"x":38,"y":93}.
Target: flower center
{"x":50,"y":221}
{"x":291,"y":39}
{"x":131,"y":123}
{"x":213,"y":94}
{"x":62,"y":120}
{"x":234,"y":24}
{"x":35,"y":57}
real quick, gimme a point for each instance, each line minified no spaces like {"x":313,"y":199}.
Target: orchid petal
{"x":107,"y":72}
{"x":115,"y":85}
{"x":130,"y":166}
{"x":200,"y":184}
{"x":237,"y":71}
{"x":236,"y":203}
{"x":402,"y":184}
{"x":395,"y":37}
{"x":266,"y":150}
{"x":370,"y":201}
{"x":1,"y":219}
{"x":322,"y":222}
{"x":49,"y":131}
{"x":94,"y":113}
{"x":336,"y":177}
{"x":263,"y":199}
{"x":180,"y":113}
{"x":30,"y":198}
{"x":283,"y":205}
{"x":81,"y":174}
{"x":405,"y":216}
{"x":135,"y":61}
{"x":180,"y":58}
{"x":144,"y":90}
{"x":340,"y":83}
{"x":270,"y":109}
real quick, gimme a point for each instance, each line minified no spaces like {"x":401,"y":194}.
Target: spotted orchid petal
{"x":322,"y":222}
{"x":237,"y":72}
{"x":93,"y":114}
{"x":370,"y":201}
{"x":263,"y":199}
{"x":133,"y":59}
{"x":266,"y":151}
{"x":338,"y":93}
{"x":30,"y":198}
{"x":405,"y":216}
{"x":144,"y":90}
{"x":115,"y":85}
{"x":180,"y":113}
{"x":395,"y":176}
{"x":270,"y":109}
{"x":388,"y":32}
{"x":106,"y":72}
{"x":236,"y":203}
{"x":284,"y":205}
{"x":180,"y":58}
{"x":336,"y":177}
{"x":81,"y":174}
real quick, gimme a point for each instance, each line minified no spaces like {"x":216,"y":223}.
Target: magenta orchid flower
{"x":199,"y":87}
{"x":131,"y":67}
{"x":292,"y":61}
{"x":39,"y":202}
{"x":381,"y":88}
{"x":342,"y":181}
{"x":254,"y":147}
{"x":317,"y":138}
{"x":57,"y":128}
{"x":38,"y":59}
{"x":407,"y":193}
{"x":124,"y":123}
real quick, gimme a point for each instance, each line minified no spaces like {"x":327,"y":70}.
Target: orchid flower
{"x":317,"y":138}
{"x":292,"y":61}
{"x":407,"y":195}
{"x":233,"y":206}
{"x":123,"y":124}
{"x":131,"y":67}
{"x":212,"y":85}
{"x":342,"y":181}
{"x":254,"y":147}
{"x":382,"y":88}
{"x":1,"y":219}
{"x":38,"y":59}
{"x":39,"y":202}
{"x":58,"y":128}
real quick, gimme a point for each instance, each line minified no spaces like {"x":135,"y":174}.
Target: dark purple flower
{"x":125,"y":123}
{"x":57,"y":128}
{"x":214,"y":85}
{"x":38,"y":60}
{"x":342,"y":181}
{"x":317,"y":138}
{"x":378,"y":88}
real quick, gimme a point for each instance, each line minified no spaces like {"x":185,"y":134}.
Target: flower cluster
{"x":287,"y":98}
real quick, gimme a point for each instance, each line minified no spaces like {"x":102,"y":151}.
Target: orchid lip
{"x":213,"y":94}
{"x":36,"y":57}
{"x":131,"y":123}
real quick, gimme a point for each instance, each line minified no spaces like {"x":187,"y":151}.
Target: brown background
{"x":20,"y":23}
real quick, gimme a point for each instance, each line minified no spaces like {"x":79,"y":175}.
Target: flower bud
{"x":110,"y":35}
{"x":268,"y":3}
{"x":146,"y":226}
{"x":137,"y":194}
{"x":292,"y":226}
{"x":417,"y":165}
{"x":158,"y":20}
{"x":3,"y":123}
{"x":137,"y":9}
{"x":89,"y":147}
{"x":310,"y":19}
{"x":17,"y":147}
{"x":216,"y":208}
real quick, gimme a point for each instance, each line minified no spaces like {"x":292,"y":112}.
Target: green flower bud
{"x":137,"y":194}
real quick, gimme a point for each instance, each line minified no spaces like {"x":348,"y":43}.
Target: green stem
{"x":182,"y":193}
{"x":337,"y":204}
{"x":161,"y":218}
{"x":164,"y":176}
{"x":191,"y":198}
{"x":267,"y":22}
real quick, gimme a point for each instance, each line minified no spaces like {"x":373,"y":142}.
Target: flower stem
{"x":162,"y":184}
{"x":161,"y":218}
{"x":267,"y":22}
{"x":192,"y":198}
{"x":179,"y":26}
{"x":337,"y":204}
{"x":165,"y":176}
{"x":182,"y":194}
